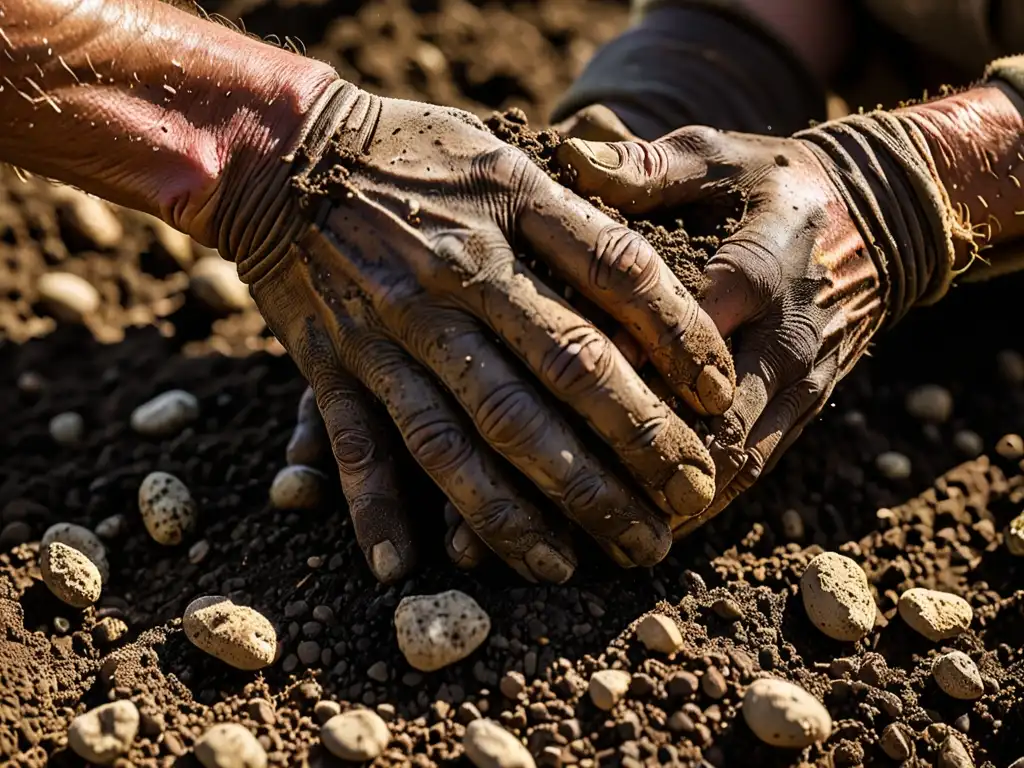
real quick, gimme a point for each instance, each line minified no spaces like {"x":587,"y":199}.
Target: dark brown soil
{"x":732,"y":586}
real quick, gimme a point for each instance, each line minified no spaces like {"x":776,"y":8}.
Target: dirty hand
{"x":841,"y":225}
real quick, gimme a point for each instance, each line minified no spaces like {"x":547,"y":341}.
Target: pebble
{"x":1010,"y":364}
{"x":958,"y":675}
{"x":325,"y":710}
{"x":837,"y":597}
{"x":109,"y":630}
{"x":166,"y":414}
{"x":214,"y":281}
{"x":607,"y":687}
{"x":70,"y":575}
{"x":109,"y":528}
{"x":68,"y":297}
{"x":298,"y":487}
{"x":308,"y":652}
{"x":512,"y":685}
{"x":936,"y":615}
{"x":792,"y":525}
{"x":953,"y":754}
{"x":82,"y":539}
{"x":1010,"y":446}
{"x":659,"y":633}
{"x":198,"y":551}
{"x":14,"y":534}
{"x":895,"y":743}
{"x":236,"y":634}
{"x":437,"y":630}
{"x":713,"y":683}
{"x":230,"y":745}
{"x":488,"y":745}
{"x":893,"y":465}
{"x":67,"y":428}
{"x":357,"y":735}
{"x":89,"y":217}
{"x":1014,"y":536}
{"x":785,"y":715}
{"x":167,"y":508}
{"x":103,"y":734}
{"x":969,"y":443}
{"x":930,"y":402}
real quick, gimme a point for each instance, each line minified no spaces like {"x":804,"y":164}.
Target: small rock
{"x":727,"y":608}
{"x":437,"y":630}
{"x":713,"y":683}
{"x":512,"y":685}
{"x":67,"y":428}
{"x":103,"y":734}
{"x":837,"y":597}
{"x":298,"y":487}
{"x":895,"y":742}
{"x":953,"y":754}
{"x":488,"y":745}
{"x":230,"y":745}
{"x":607,"y":687}
{"x":166,"y":414}
{"x":70,"y":575}
{"x":682,"y":684}
{"x":1010,"y":365}
{"x":167,"y":508}
{"x":792,"y":525}
{"x":958,"y":675}
{"x":357,"y":735}
{"x":82,"y":539}
{"x":109,"y":528}
{"x":785,"y":715}
{"x":214,"y":281}
{"x":262,"y":711}
{"x":930,"y":403}
{"x":198,"y":551}
{"x":89,"y":218}
{"x":68,"y":297}
{"x":109,"y":630}
{"x":378,"y":672}
{"x":236,"y":634}
{"x":309,"y":652}
{"x":659,"y":633}
{"x":893,"y":465}
{"x":13,"y":534}
{"x":936,"y":615}
{"x":969,"y":443}
{"x":1010,"y":447}
{"x":325,"y":710}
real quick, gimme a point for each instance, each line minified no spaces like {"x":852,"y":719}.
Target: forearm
{"x":143,"y":104}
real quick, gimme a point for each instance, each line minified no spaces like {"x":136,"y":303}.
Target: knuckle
{"x":491,"y":518}
{"x":623,"y":256}
{"x":436,"y":441}
{"x":512,"y":419}
{"x":580,"y":364}
{"x":354,"y":449}
{"x":584,"y":489}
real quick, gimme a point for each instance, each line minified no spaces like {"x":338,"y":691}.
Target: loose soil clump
{"x":731,"y":589}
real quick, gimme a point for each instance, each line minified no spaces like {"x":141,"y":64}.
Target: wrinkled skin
{"x":407,"y":293}
{"x":793,"y":287}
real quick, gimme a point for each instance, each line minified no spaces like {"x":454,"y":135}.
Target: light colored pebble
{"x":785,"y":715}
{"x":659,"y":633}
{"x":607,"y":687}
{"x":953,"y":754}
{"x":103,"y":734}
{"x":837,"y":597}
{"x":230,"y":745}
{"x":69,"y":297}
{"x":969,"y":443}
{"x":357,"y":735}
{"x":236,"y":634}
{"x":177,"y":244}
{"x":214,"y":281}
{"x":1010,"y":364}
{"x":67,"y":428}
{"x":1014,"y":536}
{"x":958,"y":675}
{"x":109,"y":528}
{"x":298,"y":487}
{"x":1010,"y":446}
{"x":930,"y":403}
{"x":488,"y":745}
{"x":82,"y":539}
{"x":198,"y":551}
{"x":936,"y":615}
{"x":166,"y":414}
{"x":437,"y":630}
{"x":30,"y":383}
{"x":325,"y":710}
{"x":70,"y":575}
{"x":893,"y":465}
{"x":793,"y":525}
{"x":89,"y":217}
{"x":895,"y":742}
{"x":167,"y":508}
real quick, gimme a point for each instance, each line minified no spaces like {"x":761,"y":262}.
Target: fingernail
{"x":549,"y":564}
{"x":621,"y":558}
{"x":598,"y":153}
{"x":646,"y":542}
{"x":714,"y":390}
{"x":689,"y":490}
{"x":386,"y":563}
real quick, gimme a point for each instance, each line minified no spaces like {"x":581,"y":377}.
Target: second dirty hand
{"x":403,"y":288}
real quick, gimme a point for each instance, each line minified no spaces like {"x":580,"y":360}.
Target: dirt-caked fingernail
{"x":465,"y":548}
{"x":646,"y":542}
{"x":549,"y":564}
{"x":690,"y":490}
{"x":385,"y":561}
{"x":714,"y":390}
{"x":598,"y":153}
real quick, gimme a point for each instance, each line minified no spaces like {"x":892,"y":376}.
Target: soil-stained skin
{"x":731,"y":589}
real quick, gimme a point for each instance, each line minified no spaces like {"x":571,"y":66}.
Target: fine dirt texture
{"x":731,"y":588}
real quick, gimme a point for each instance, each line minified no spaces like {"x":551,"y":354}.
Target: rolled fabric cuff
{"x":698,"y":63}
